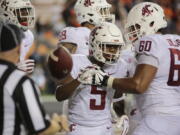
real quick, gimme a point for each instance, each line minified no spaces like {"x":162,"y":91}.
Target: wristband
{"x":110,"y":82}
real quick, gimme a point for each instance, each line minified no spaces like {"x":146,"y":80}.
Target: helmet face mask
{"x":18,"y":12}
{"x":25,"y":16}
{"x":144,"y":19}
{"x":106,"y":42}
{"x":106,"y":15}
{"x":110,"y":52}
{"x":133,"y":32}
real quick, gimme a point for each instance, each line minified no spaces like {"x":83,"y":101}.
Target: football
{"x":59,"y":63}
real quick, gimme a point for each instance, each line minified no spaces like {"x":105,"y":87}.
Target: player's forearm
{"x":139,"y":83}
{"x":65,"y":91}
{"x":128,"y":85}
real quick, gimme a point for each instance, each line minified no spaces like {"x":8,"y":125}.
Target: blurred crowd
{"x":52,"y":16}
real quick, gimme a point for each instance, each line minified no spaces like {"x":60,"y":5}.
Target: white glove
{"x":93,"y":75}
{"x":122,"y":123}
{"x":85,"y":76}
{"x":26,"y":65}
{"x":62,"y":120}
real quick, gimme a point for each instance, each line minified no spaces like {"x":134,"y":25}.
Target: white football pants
{"x":105,"y":129}
{"x":158,"y":125}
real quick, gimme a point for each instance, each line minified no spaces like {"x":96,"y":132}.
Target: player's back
{"x":163,"y":94}
{"x":83,"y":40}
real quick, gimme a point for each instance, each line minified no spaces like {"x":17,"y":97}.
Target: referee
{"x":19,"y":99}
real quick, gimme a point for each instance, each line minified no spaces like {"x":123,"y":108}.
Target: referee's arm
{"x":31,"y":110}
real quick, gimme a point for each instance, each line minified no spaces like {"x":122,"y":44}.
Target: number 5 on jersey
{"x":93,"y":103}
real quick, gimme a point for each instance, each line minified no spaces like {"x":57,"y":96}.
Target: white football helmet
{"x":18,"y":12}
{"x":103,"y":36}
{"x":143,"y":19}
{"x":93,"y":11}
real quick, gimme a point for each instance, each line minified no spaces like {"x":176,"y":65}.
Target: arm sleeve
{"x":148,"y":51}
{"x":74,"y":71}
{"x":149,"y":60}
{"x":26,"y":44}
{"x":29,"y":107}
{"x":77,"y":65}
{"x":132,"y":66}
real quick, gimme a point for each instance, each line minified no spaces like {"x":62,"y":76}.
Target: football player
{"x":89,"y":13}
{"x":157,"y":76}
{"x":22,"y":14}
{"x":89,"y":106}
{"x":88,"y":16}
{"x":76,"y":41}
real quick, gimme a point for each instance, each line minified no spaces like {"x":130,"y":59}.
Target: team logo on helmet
{"x":4,"y":4}
{"x":88,"y":3}
{"x":94,"y":32}
{"x":146,"y":11}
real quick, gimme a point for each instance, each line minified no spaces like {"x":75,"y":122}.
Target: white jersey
{"x":90,"y":105}
{"x":163,"y":94}
{"x":78,"y":36}
{"x":128,"y":54}
{"x":26,"y":44}
{"x":83,"y":42}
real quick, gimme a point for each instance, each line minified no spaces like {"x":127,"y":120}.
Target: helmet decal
{"x":4,"y":4}
{"x":88,"y":3}
{"x":146,"y":11}
{"x":94,"y":32}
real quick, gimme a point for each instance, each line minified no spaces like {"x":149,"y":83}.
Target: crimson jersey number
{"x":145,"y":46}
{"x":93,"y":105}
{"x":174,"y":67}
{"x":88,"y":3}
{"x":62,"y":35}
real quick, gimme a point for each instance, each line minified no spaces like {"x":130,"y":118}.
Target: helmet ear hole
{"x":5,"y":15}
{"x":151,"y":24}
{"x":14,"y":12}
{"x":90,"y":20}
{"x":90,"y":14}
{"x":137,"y":26}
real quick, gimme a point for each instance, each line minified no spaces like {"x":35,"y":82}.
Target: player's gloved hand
{"x":122,"y":123}
{"x":62,"y":120}
{"x":26,"y":65}
{"x":94,"y":75}
{"x":86,"y":75}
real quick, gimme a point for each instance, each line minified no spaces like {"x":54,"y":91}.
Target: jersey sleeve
{"x":132,"y":66}
{"x":29,"y":106}
{"x":76,"y":66}
{"x":79,"y":62}
{"x":26,"y":44}
{"x":148,"y":51}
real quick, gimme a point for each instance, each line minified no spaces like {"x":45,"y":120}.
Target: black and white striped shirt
{"x":19,"y":102}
